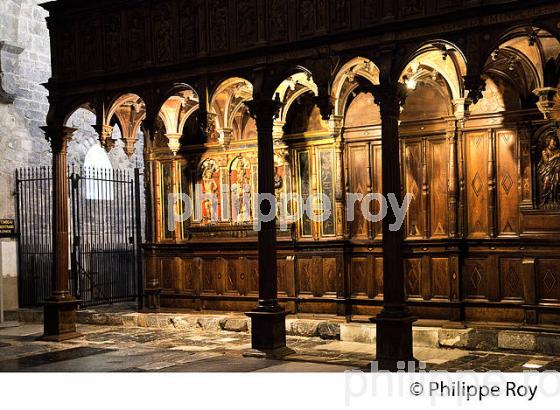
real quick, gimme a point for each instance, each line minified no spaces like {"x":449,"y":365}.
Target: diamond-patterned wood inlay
{"x":476,"y":277}
{"x":507,"y":183}
{"x":412,"y":277}
{"x":549,"y":280}
{"x":477,"y":184}
{"x":513,"y":281}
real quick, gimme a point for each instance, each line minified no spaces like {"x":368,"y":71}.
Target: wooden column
{"x":60,"y":308}
{"x":453,"y":190}
{"x":268,"y":319}
{"x":394,"y":323}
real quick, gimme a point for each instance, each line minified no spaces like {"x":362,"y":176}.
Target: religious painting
{"x":166,"y":189}
{"x":280,"y":183}
{"x":548,"y":170}
{"x":241,"y":190}
{"x":305,"y":190}
{"x":327,"y":188}
{"x":210,"y":200}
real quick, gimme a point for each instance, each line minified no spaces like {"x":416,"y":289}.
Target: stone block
{"x":516,"y":340}
{"x":470,"y":339}
{"x":301,"y":327}
{"x":235,"y":325}
{"x":184,"y":323}
{"x":211,"y":324}
{"x":130,"y":320}
{"x":548,"y":343}
{"x":329,"y":331}
{"x":363,"y":333}
{"x":425,"y":337}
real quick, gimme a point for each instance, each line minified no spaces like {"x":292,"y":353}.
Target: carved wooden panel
{"x":330,"y":276}
{"x":511,"y":281}
{"x":112,"y":33}
{"x":168,"y":274}
{"x":413,"y":277}
{"x":283,"y":276}
{"x":246,"y":22}
{"x":441,"y":281}
{"x":90,"y":43}
{"x":305,"y":275}
{"x":340,"y":12}
{"x":411,"y":8}
{"x":307,"y":17}
{"x":548,"y":280}
{"x":507,"y":183}
{"x":377,"y":186}
{"x":370,"y":11}
{"x":163,"y":28}
{"x":277,"y":12}
{"x":378,"y":276}
{"x":190,"y":270}
{"x":253,"y":273}
{"x":475,"y":284}
{"x":413,"y":185}
{"x":477,"y":183}
{"x":438,"y":170}
{"x":231,"y":277}
{"x":188,"y":28}
{"x":360,"y":270}
{"x":360,"y":184}
{"x":137,"y":38}
{"x":218,"y":12}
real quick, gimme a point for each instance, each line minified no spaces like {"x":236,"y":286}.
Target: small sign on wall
{"x":7,"y":228}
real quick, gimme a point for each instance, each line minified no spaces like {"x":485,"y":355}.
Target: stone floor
{"x":118,"y":349}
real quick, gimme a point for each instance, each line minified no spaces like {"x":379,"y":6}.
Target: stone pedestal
{"x":268,"y":333}
{"x":393,"y":342}
{"x":60,"y":320}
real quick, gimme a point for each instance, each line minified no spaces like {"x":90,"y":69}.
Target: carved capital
{"x":461,"y":110}
{"x":390,"y":97}
{"x":59,"y":136}
{"x":264,"y":111}
{"x":225,"y":136}
{"x":475,"y":85}
{"x":207,"y":123}
{"x":325,"y":104}
{"x":105,"y":136}
{"x":547,"y":103}
{"x":173,"y":142}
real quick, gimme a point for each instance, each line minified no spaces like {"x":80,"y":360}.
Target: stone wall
{"x":24,"y":66}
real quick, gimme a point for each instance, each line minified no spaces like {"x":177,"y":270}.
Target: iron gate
{"x":105,"y":230}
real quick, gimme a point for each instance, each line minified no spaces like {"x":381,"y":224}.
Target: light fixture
{"x":410,"y":83}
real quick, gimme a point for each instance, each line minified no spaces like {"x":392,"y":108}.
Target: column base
{"x":268,"y":330}
{"x":394,"y":344}
{"x":60,"y":320}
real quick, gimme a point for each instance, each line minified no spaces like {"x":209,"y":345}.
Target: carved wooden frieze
{"x":163,"y":32}
{"x":246,"y":22}
{"x":112,"y":35}
{"x":218,"y":25}
{"x":136,"y":40}
{"x":278,"y":20}
{"x":188,"y":27}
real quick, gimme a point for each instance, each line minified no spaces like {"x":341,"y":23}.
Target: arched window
{"x":98,"y":173}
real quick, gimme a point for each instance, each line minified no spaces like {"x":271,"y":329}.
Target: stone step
{"x":475,"y":338}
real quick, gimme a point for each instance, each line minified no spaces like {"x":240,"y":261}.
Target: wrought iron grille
{"x":105,"y":237}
